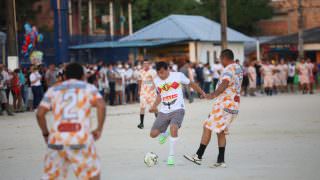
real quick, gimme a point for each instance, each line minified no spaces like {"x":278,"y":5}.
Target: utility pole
{"x":300,"y":27}
{"x":13,"y":62}
{"x":223,"y":20}
{"x":61,"y":35}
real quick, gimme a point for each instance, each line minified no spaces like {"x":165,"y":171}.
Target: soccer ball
{"x":150,"y":159}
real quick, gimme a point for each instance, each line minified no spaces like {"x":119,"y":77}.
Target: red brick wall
{"x":285,"y":20}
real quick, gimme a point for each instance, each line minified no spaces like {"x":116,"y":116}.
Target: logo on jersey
{"x":168,"y":87}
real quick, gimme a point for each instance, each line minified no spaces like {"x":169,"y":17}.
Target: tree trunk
{"x":11,"y":28}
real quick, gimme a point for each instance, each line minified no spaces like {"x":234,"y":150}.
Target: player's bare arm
{"x":101,"y":114}
{"x":154,"y":108}
{"x":198,"y":89}
{"x":221,"y":88}
{"x":42,"y":122}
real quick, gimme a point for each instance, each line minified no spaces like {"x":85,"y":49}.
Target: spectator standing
{"x":217,"y":69}
{"x":51,"y":75}
{"x":111,"y":75}
{"x":4,"y":105}
{"x":36,"y":86}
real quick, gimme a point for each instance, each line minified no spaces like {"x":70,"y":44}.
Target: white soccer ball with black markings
{"x":150,"y":159}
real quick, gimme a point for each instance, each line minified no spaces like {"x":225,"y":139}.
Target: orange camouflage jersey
{"x":71,"y":103}
{"x":147,"y":92}
{"x":226,"y":105}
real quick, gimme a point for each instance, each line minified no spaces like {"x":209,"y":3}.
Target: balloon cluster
{"x":31,"y":38}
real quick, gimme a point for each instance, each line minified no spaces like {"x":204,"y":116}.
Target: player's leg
{"x":221,"y":146}
{"x":160,"y":125}
{"x":55,"y":166}
{"x":205,"y":140}
{"x":176,"y":119}
{"x":85,"y":162}
{"x":142,"y":111}
{"x":95,"y":177}
{"x":208,"y":126}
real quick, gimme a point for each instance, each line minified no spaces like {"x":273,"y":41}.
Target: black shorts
{"x":290,"y":80}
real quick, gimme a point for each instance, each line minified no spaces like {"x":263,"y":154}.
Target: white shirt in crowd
{"x":217,"y":70}
{"x":35,"y":76}
{"x":207,"y":74}
{"x":292,"y":70}
{"x":170,"y":91}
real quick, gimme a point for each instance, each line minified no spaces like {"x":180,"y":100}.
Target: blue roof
{"x":123,"y":44}
{"x":186,"y":27}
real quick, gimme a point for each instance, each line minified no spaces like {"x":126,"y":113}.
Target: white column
{"x":258,"y":49}
{"x":121,"y":23}
{"x":90,"y":16}
{"x":111,"y":18}
{"x":70,"y":17}
{"x":130,"y":18}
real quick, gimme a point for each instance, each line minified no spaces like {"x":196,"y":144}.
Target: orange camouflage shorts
{"x":84,"y":162}
{"x":219,"y":119}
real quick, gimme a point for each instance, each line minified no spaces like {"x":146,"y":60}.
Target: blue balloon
{"x":27,"y":28}
{"x":40,"y":37}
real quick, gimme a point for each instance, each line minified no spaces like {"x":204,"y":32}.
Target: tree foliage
{"x":24,"y":11}
{"x":242,"y":14}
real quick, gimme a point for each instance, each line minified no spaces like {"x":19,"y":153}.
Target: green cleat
{"x":162,"y":139}
{"x":170,"y":161}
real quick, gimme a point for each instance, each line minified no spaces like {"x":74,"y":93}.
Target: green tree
{"x":25,"y":11}
{"x":146,"y":12}
{"x":242,"y":14}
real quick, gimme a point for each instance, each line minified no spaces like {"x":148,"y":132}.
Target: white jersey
{"x":171,"y":92}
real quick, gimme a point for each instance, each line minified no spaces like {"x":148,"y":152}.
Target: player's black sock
{"x":156,"y":115}
{"x":141,"y":118}
{"x":201,"y":150}
{"x":221,"y":155}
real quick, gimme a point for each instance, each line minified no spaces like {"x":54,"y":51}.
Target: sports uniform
{"x":147,"y":91}
{"x":283,"y":74}
{"x":303,"y":73}
{"x":253,"y":74}
{"x":70,"y":141}
{"x":267,"y":70}
{"x":226,"y":105}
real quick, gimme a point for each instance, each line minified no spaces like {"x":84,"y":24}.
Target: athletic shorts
{"x":85,"y":163}
{"x":147,"y":101}
{"x":290,"y":80}
{"x":268,"y":82}
{"x":219,"y":119}
{"x":165,"y":119}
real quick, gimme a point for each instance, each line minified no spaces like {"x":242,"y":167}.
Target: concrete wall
{"x":206,"y":51}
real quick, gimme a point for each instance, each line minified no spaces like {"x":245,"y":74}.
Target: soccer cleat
{"x":218,"y":165}
{"x":162,"y":138}
{"x":140,"y":126}
{"x":194,"y":158}
{"x":170,"y":160}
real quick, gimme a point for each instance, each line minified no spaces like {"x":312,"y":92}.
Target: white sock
{"x":173,"y":141}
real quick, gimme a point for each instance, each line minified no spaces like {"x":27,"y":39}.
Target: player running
{"x":225,"y":108}
{"x":171,"y":112}
{"x":146,"y":89}
{"x":69,"y":139}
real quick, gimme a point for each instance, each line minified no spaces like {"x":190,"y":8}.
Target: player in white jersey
{"x":171,"y":112}
{"x":226,"y":102}
{"x":69,"y":137}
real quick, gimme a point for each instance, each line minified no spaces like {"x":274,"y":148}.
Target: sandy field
{"x":274,"y":138}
